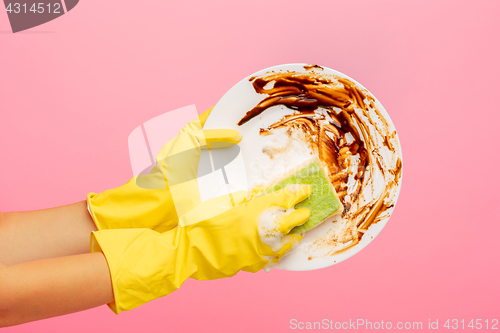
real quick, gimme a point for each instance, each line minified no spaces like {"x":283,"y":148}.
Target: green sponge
{"x":323,"y":202}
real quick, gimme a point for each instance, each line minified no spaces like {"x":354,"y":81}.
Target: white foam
{"x":269,"y":231}
{"x":269,"y":223}
{"x":282,"y":153}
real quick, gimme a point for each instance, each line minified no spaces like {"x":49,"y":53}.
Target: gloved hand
{"x":215,"y":240}
{"x":150,"y":201}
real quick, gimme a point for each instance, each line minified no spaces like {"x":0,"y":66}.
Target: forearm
{"x":43,"y":234}
{"x":53,"y":287}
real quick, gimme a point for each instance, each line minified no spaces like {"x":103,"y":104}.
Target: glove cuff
{"x":91,"y":211}
{"x":142,"y":265}
{"x":95,"y":247}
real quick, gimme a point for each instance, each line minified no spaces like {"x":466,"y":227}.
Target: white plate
{"x":226,"y":114}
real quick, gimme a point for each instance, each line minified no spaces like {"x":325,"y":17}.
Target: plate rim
{"x":327,"y":261}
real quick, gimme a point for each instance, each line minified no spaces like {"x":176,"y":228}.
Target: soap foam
{"x":284,"y":152}
{"x":269,"y":223}
{"x":269,"y":231}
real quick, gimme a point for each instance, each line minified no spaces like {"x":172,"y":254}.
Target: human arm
{"x":43,"y":234}
{"x":53,"y":287}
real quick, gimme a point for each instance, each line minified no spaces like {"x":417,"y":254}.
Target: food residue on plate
{"x":341,"y":124}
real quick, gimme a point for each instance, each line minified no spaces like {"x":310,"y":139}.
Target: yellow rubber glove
{"x":212,"y":241}
{"x":147,"y":201}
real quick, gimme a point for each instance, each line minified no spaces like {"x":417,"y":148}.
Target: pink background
{"x":73,"y":89}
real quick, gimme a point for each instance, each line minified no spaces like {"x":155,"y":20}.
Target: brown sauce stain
{"x":311,"y":67}
{"x":335,"y":116}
